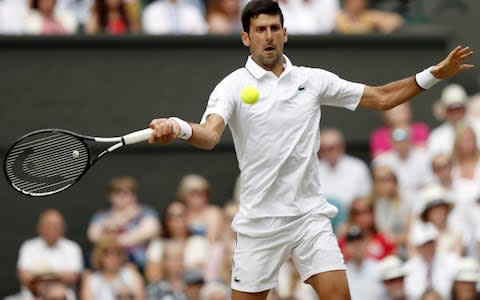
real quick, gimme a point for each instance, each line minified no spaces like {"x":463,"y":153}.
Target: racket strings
{"x":46,"y":162}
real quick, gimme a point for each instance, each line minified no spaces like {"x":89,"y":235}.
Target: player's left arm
{"x":394,"y":93}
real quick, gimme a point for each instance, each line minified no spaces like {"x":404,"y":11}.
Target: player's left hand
{"x":453,"y":63}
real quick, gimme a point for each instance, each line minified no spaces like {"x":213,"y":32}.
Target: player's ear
{"x":285,"y":34}
{"x":245,"y":38}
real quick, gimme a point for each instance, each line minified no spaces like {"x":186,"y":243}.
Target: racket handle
{"x":137,"y":136}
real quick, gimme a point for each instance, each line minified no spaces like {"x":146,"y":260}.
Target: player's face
{"x":266,"y":40}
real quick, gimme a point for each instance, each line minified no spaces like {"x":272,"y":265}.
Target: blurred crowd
{"x":194,"y":17}
{"x":408,"y":224}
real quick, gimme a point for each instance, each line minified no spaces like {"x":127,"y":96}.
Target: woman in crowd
{"x":362,"y":215}
{"x":466,"y":166}
{"x":112,"y":276}
{"x":223,"y":16}
{"x":175,"y":228}
{"x":391,"y":212}
{"x":43,"y":19}
{"x":110,"y":16}
{"x":203,"y":218}
{"x":399,"y":116}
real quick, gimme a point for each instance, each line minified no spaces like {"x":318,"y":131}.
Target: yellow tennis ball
{"x":249,"y":94}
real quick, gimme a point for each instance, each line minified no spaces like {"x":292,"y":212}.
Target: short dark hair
{"x":255,"y":8}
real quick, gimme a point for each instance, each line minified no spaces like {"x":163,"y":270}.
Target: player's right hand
{"x":165,"y":131}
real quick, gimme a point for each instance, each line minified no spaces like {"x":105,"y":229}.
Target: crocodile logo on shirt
{"x":301,"y":88}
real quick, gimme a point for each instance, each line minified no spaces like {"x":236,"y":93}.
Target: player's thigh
{"x":237,"y":295}
{"x":330,"y":285}
{"x":256,"y":263}
{"x":317,"y":249}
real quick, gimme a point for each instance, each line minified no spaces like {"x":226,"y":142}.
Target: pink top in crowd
{"x":380,"y":138}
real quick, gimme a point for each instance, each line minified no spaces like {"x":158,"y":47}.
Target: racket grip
{"x":137,"y":136}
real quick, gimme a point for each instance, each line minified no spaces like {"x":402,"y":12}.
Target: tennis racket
{"x":48,"y":161}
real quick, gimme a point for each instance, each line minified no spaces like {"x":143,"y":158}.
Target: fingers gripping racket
{"x":48,"y":161}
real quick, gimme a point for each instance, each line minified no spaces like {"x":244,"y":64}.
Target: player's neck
{"x":277,"y":68}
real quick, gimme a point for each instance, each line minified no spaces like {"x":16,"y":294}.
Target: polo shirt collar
{"x":258,"y":72}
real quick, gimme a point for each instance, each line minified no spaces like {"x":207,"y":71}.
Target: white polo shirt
{"x":36,"y":255}
{"x":277,"y":139}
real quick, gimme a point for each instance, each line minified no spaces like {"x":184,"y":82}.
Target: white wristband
{"x":425,"y":79}
{"x":186,"y":129}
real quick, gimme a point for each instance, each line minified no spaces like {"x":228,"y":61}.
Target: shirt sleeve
{"x":23,"y":257}
{"x":335,"y":91}
{"x":221,"y":101}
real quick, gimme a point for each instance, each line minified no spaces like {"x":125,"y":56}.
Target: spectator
{"x":174,"y":228}
{"x":362,"y":215}
{"x":434,"y":207}
{"x":453,"y":101}
{"x":362,"y":272}
{"x":428,"y":267}
{"x":113,"y":277}
{"x":203,"y":218}
{"x":223,"y":16}
{"x":50,"y":253}
{"x":172,"y":286}
{"x":214,"y":291}
{"x":392,"y":274}
{"x":461,"y":196}
{"x":44,"y":19}
{"x":357,"y":18}
{"x":109,"y":16}
{"x":399,"y":116}
{"x":466,"y":162}
{"x":12,"y":16}
{"x":173,"y":17}
{"x":411,"y":165}
{"x":343,"y":177}
{"x":80,"y":9}
{"x":466,"y":280}
{"x":134,"y":225}
{"x":392,"y":213}
{"x":309,"y":16}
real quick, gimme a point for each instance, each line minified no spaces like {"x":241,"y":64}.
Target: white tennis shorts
{"x":307,"y":239}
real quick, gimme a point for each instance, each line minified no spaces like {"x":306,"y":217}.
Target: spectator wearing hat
{"x":343,"y":177}
{"x":133,"y":224}
{"x":50,"y":253}
{"x":362,"y":272}
{"x":434,"y":207}
{"x":466,"y":280}
{"x":453,"y":102}
{"x":412,"y":165}
{"x":428,"y":268}
{"x":392,"y":274}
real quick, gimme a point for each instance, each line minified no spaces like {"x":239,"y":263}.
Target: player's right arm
{"x":204,"y":136}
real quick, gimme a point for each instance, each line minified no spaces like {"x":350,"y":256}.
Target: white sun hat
{"x":391,"y":267}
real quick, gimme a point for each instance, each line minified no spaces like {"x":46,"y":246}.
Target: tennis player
{"x":282,"y":209}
